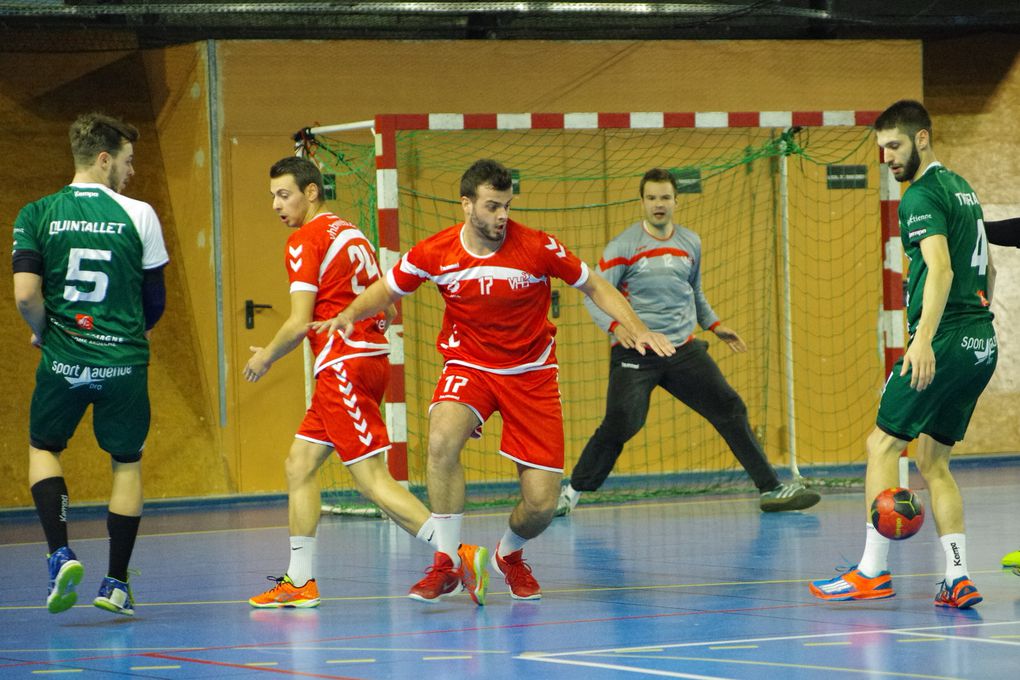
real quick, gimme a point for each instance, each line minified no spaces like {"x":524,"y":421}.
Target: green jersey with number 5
{"x":95,"y":246}
{"x":942,"y":202}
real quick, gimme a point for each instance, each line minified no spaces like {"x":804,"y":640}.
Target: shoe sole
{"x":297,"y":604}
{"x":966,"y":604}
{"x":800,"y":502}
{"x":63,"y":596}
{"x":846,"y":597}
{"x":437,"y":598}
{"x":106,"y":605}
{"x":478,"y":585}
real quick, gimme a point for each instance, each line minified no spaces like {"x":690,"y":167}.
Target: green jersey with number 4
{"x":95,"y":246}
{"x":942,"y":202}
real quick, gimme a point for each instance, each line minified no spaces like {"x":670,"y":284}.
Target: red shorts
{"x":345,"y":409}
{"x":528,"y":402}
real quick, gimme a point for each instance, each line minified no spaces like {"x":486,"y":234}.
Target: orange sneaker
{"x":286,"y":594}
{"x":517,"y":574}
{"x":853,"y":585}
{"x":961,"y":595}
{"x":473,"y":574}
{"x":441,"y":580}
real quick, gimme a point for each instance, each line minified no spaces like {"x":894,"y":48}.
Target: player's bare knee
{"x":300,"y":465}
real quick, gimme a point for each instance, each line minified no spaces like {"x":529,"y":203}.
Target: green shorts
{"x":965,"y":359}
{"x":120,"y":406}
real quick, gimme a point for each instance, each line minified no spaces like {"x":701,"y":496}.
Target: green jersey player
{"x":88,"y":280}
{"x":931,"y":393}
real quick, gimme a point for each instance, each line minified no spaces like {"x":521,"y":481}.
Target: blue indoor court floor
{"x":687,"y":588}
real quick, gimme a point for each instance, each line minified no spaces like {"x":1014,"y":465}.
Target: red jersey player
{"x":329,"y":262}
{"x":499,"y":350}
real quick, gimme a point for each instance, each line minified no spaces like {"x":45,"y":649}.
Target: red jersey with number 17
{"x":330,"y":257}
{"x":497,"y":305}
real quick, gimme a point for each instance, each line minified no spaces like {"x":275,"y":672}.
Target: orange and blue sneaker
{"x":961,"y":594}
{"x":286,"y":594}
{"x":853,"y":585}
{"x":65,"y":574}
{"x":473,"y":574}
{"x":441,"y":580}
{"x":517,"y":574}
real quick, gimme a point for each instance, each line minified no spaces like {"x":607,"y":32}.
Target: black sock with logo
{"x":123,"y":530}
{"x":51,"y":503}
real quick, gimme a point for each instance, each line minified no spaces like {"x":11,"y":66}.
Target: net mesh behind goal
{"x":752,"y":194}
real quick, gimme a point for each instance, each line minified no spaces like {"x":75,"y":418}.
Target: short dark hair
{"x":302,"y":170}
{"x":93,"y":133}
{"x":485,"y":172}
{"x":907,"y":115}
{"x":656,"y":175}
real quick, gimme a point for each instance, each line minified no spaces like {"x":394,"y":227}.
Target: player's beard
{"x":488,"y":231}
{"x":115,"y":181}
{"x":912,"y":165}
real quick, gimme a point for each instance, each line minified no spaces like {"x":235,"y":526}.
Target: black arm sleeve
{"x":153,"y":296}
{"x":27,"y":261}
{"x":1004,"y":232}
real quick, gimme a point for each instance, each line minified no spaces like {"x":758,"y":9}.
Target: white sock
{"x":427,"y":533}
{"x":510,"y":542}
{"x":446,"y":536}
{"x":302,"y":559}
{"x":876,"y":553}
{"x":955,"y":546}
{"x":573,"y":494}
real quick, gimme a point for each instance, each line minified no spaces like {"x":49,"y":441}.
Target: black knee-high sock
{"x":122,"y":529}
{"x":51,"y":503}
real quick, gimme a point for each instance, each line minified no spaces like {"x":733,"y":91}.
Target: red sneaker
{"x":441,"y":580}
{"x":517,"y":574}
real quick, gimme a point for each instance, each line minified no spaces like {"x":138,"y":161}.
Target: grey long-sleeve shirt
{"x":661,"y":278}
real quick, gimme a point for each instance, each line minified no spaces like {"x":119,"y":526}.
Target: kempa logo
{"x":92,"y":376}
{"x":917,"y":218}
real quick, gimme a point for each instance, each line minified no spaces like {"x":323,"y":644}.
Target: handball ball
{"x":897,"y":513}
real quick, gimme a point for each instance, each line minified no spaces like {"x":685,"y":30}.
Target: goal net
{"x":792,"y":260}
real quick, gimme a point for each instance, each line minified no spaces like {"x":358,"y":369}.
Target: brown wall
{"x":974,"y":102}
{"x":42,"y":94}
{"x":270,"y":89}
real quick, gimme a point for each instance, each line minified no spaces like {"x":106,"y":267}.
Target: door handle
{"x":249,"y":312}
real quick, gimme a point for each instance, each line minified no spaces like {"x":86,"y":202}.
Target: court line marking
{"x":224,"y":664}
{"x":802,"y":666}
{"x":499,"y":593}
{"x":625,"y":669}
{"x":810,"y":636}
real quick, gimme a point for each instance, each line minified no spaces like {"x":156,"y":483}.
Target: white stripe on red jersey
{"x":332,"y":258}
{"x":497,"y":305}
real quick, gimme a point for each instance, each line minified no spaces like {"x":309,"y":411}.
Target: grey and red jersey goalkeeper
{"x":661,"y":278}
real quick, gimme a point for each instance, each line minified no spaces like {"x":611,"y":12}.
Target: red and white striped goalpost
{"x":386,"y":127}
